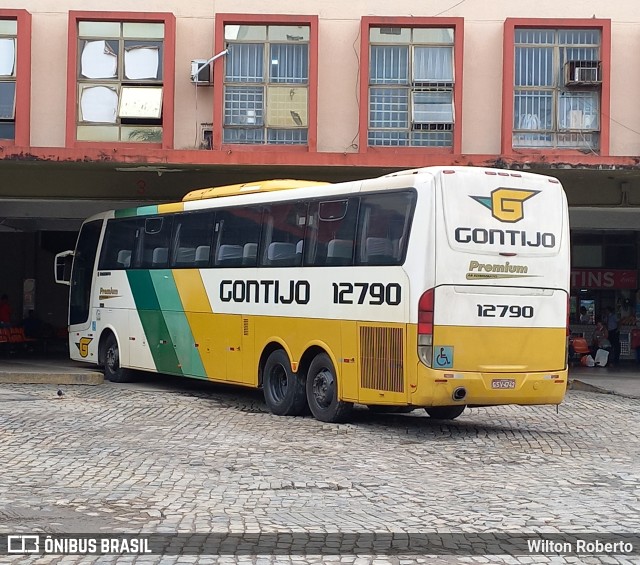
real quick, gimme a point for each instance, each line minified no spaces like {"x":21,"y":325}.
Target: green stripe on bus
{"x":153,"y":322}
{"x":177,"y":323}
{"x":125,"y":213}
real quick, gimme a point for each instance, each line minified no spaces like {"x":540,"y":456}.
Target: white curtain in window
{"x":7,"y":56}
{"x":245,"y":63}
{"x":99,"y":104}
{"x":433,"y":64}
{"x":389,"y":64}
{"x":98,"y":60}
{"x":141,"y":62}
{"x":433,"y":107}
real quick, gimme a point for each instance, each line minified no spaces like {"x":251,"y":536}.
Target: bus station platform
{"x":47,"y":370}
{"x":622,"y":380}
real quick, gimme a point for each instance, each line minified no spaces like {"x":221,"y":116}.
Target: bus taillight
{"x":425,"y":327}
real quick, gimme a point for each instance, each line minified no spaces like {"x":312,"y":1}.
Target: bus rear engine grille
{"x":381,"y":358}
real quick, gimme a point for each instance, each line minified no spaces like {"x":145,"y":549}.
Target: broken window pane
{"x":98,"y":104}
{"x":7,"y":56}
{"x":98,"y":60}
{"x":140,"y":102}
{"x":141,"y":62}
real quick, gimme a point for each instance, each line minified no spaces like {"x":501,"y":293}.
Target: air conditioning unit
{"x":582,"y":73}
{"x":203,"y":77}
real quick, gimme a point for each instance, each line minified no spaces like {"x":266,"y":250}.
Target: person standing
{"x":614,"y":335}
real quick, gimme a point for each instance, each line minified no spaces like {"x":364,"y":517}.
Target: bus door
{"x":82,"y":345}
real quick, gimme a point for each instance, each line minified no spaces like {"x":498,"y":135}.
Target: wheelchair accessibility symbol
{"x":444,"y":357}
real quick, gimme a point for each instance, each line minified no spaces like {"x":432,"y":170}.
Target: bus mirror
{"x":62,"y":267}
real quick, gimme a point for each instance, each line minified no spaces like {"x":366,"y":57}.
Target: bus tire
{"x":322,"y":392}
{"x":445,"y":412}
{"x":111,"y":357}
{"x":284,"y":390}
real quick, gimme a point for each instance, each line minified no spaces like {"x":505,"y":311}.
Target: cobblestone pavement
{"x":184,"y":457}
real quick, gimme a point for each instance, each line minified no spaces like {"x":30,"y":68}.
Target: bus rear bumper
{"x":438,"y":388}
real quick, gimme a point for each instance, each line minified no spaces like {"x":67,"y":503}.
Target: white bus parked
{"x":440,"y":287}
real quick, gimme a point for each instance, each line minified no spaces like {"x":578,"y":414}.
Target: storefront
{"x":604,"y":275}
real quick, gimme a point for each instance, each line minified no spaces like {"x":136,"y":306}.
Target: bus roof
{"x":244,"y":188}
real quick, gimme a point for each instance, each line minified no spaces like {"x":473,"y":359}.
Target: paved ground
{"x":182,"y":457}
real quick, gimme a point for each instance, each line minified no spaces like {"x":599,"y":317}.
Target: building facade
{"x":102,"y":109}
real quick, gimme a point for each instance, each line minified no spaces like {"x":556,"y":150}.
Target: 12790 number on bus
{"x":504,"y":311}
{"x":367,"y":293}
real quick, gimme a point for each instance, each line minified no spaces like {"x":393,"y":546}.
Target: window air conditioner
{"x":582,"y":73}
{"x":203,"y":74}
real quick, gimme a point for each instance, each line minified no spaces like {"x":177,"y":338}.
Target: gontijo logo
{"x":83,"y":346}
{"x":506,"y":204}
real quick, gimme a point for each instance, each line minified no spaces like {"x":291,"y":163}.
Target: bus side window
{"x":118,"y":244}
{"x":191,"y":241}
{"x":383,"y":228}
{"x":238,"y":235}
{"x":283,"y":235}
{"x":156,"y":237}
{"x":331,"y":232}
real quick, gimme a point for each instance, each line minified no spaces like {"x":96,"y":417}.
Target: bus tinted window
{"x":192,"y":234}
{"x":119,"y":242}
{"x":383,"y":228}
{"x":331,"y":232}
{"x":152,"y":251}
{"x":283,"y":235}
{"x":238,"y":231}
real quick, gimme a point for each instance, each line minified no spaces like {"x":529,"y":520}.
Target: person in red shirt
{"x":5,"y":312}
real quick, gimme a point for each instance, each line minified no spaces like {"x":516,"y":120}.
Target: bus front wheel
{"x":445,"y":412}
{"x":111,"y":358}
{"x":284,"y":390}
{"x":322,"y":391}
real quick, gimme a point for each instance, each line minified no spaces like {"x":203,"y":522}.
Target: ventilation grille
{"x":381,"y":359}
{"x":245,"y":326}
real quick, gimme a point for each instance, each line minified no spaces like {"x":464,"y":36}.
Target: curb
{"x":587,"y":387}
{"x":88,"y":378}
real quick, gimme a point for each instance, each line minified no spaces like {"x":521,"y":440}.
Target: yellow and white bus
{"x":441,"y":287}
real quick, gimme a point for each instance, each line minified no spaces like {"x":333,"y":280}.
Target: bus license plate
{"x":503,"y":383}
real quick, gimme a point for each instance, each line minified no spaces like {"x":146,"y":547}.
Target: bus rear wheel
{"x":284,"y":390}
{"x":445,"y":412}
{"x":322,"y":392}
{"x":111,"y":358}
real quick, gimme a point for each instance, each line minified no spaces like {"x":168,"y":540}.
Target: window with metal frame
{"x":266,"y":84}
{"x":119,"y":81}
{"x":8,"y":50}
{"x":411,"y":80}
{"x":556,"y":99}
